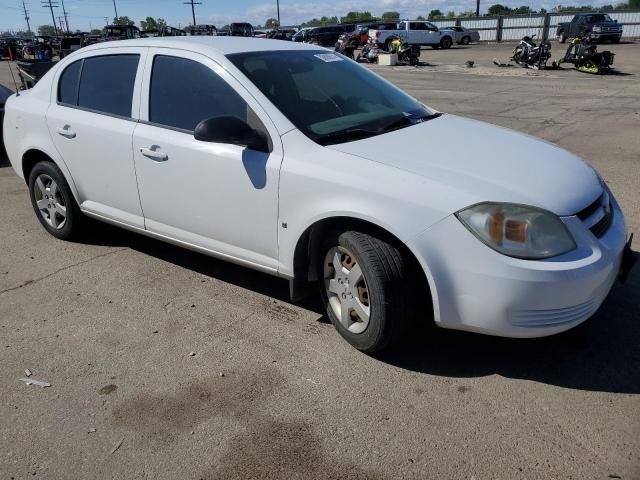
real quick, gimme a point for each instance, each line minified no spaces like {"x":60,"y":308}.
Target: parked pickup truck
{"x":595,"y":26}
{"x":415,"y":33}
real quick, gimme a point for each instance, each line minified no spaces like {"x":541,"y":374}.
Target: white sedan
{"x":293,"y":160}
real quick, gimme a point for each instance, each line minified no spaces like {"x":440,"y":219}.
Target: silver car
{"x":463,"y":36}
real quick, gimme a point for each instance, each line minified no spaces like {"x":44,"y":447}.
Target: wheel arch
{"x":308,"y":248}
{"x":34,"y":155}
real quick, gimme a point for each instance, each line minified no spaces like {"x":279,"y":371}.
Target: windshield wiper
{"x":346,"y":135}
{"x":407,"y":120}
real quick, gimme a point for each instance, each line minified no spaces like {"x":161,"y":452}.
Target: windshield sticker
{"x":328,"y":57}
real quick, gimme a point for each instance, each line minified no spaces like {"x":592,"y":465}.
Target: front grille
{"x":591,"y":209}
{"x":600,"y":228}
{"x":553,"y":317}
{"x":603,"y":224}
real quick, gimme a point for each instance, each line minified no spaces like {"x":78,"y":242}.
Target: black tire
{"x":435,"y":47}
{"x":446,"y":43}
{"x":73,"y":221}
{"x":562,"y":37}
{"x":465,"y":40}
{"x":386,"y":277}
{"x":615,"y":40}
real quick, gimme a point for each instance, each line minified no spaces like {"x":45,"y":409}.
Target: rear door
{"x":91,"y":123}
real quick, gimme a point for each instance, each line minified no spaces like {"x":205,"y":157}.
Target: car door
{"x":216,"y":196}
{"x":91,"y":122}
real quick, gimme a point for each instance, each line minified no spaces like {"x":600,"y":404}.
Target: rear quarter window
{"x":68,"y":84}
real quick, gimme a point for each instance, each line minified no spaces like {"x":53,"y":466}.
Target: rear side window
{"x":68,"y":85}
{"x":184,"y":92}
{"x":106,"y":84}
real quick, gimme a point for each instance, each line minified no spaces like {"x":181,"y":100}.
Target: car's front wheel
{"x":446,"y":43}
{"x":465,"y":40}
{"x":365,"y":289}
{"x":53,"y":201}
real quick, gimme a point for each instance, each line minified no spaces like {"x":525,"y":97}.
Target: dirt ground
{"x":271,"y":390}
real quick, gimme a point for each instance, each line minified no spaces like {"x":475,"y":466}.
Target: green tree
{"x":355,"y":17}
{"x":391,"y":16}
{"x":271,"y":23}
{"x":46,"y":30}
{"x":451,"y":14}
{"x":123,"y":21}
{"x":153,"y":24}
{"x":420,"y":17}
{"x":95,"y":31}
{"x":634,"y":4}
{"x":498,"y":9}
{"x":435,"y":14}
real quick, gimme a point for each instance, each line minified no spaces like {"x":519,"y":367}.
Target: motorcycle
{"x":406,"y":53}
{"x":586,"y":58}
{"x":529,"y":55}
{"x":347,"y":45}
{"x":370,"y":51}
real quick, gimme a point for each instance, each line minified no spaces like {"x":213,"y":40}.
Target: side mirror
{"x":232,"y":130}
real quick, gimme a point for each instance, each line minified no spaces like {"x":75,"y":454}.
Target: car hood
{"x":485,"y":163}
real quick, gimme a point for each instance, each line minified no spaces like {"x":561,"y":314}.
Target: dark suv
{"x":327,"y":36}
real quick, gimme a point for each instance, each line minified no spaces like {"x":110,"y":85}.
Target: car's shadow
{"x":602,"y":354}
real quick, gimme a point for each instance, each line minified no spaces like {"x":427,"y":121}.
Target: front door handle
{"x":66,"y":132}
{"x":154,"y":153}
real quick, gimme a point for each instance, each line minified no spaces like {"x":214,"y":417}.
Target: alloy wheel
{"x":346,"y":289}
{"x":50,"y":201}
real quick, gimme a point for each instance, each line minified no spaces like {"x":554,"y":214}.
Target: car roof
{"x":216,"y":45}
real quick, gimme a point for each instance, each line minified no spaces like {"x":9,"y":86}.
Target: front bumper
{"x":477,"y":289}
{"x":605,"y":36}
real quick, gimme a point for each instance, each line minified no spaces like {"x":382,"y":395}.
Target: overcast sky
{"x":83,"y":14}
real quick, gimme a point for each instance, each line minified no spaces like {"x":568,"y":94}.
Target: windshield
{"x":598,"y":18}
{"x":330,"y":98}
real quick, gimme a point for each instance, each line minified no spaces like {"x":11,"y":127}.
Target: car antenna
{"x":15,"y":84}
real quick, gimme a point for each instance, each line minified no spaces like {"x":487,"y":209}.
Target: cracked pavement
{"x":271,"y":390}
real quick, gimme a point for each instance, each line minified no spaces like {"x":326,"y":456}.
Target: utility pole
{"x":51,"y":4}
{"x":278,"y":7}
{"x":61,"y":22}
{"x":193,"y":10}
{"x":26,"y":16}
{"x":106,"y":21}
{"x":477,"y":8}
{"x":114,"y":8}
{"x":64,"y":12}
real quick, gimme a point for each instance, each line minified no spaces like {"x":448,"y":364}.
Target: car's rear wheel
{"x":53,"y":201}
{"x":446,"y":43}
{"x":365,"y":290}
{"x":465,"y":41}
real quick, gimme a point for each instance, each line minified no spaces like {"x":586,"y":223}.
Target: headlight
{"x":595,"y":29}
{"x":518,"y":230}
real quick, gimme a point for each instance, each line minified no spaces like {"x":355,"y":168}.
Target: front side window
{"x":328,"y":97}
{"x":184,"y":92}
{"x":68,"y":84}
{"x":106,"y":83}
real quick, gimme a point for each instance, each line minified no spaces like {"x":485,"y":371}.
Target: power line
{"x":64,"y":12}
{"x":115,"y":8}
{"x":51,"y":4}
{"x":193,"y":10}
{"x":26,"y":16}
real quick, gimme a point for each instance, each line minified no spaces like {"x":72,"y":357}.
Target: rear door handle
{"x":66,"y":132}
{"x":154,"y":153}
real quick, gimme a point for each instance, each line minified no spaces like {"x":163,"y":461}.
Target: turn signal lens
{"x":518,"y":230}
